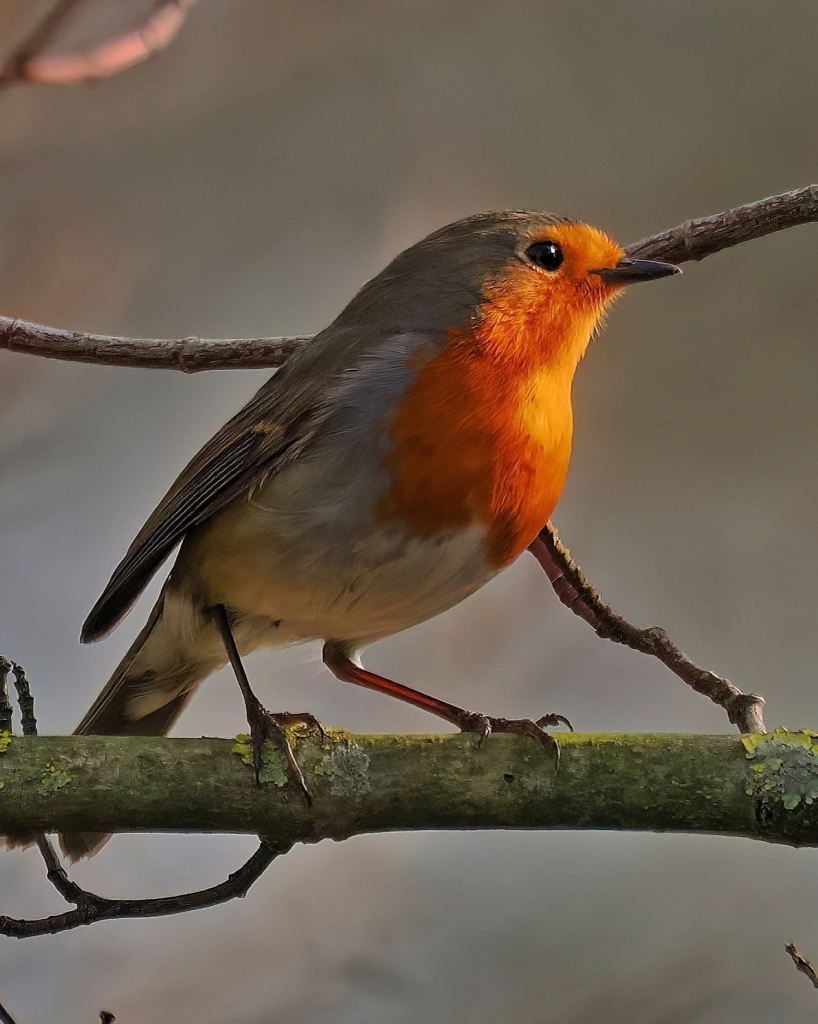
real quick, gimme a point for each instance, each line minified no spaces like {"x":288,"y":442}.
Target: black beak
{"x":631,"y":271}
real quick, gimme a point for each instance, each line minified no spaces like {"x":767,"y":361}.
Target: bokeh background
{"x":247,"y":182}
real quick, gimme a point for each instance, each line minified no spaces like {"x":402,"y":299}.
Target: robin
{"x":392,"y":467}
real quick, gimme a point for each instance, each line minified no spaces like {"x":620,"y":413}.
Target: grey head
{"x":437,"y":283}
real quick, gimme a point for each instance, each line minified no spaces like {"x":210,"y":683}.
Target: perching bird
{"x":393,"y":466}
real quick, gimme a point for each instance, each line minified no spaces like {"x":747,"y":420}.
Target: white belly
{"x":300,"y":581}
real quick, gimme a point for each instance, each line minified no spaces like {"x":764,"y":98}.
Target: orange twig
{"x":13,"y":68}
{"x":104,"y":60}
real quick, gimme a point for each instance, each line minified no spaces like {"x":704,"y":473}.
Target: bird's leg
{"x":467,"y":721}
{"x":264,"y":725}
{"x":576,"y":593}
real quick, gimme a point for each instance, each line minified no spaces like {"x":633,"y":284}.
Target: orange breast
{"x":478,"y":442}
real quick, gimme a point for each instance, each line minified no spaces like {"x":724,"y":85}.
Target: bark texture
{"x":760,"y":786}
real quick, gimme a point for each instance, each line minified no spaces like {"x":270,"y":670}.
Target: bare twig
{"x":704,"y":236}
{"x":575,"y":592}
{"x":91,"y":908}
{"x":108,"y":58}
{"x":693,"y":240}
{"x":115,"y":55}
{"x":187,"y":354}
{"x":13,"y":68}
{"x":6,"y":710}
{"x":801,"y":962}
{"x":5,"y":1016}
{"x":25,"y":700}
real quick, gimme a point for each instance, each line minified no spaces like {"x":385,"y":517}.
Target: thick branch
{"x":693,"y":240}
{"x":756,"y":787}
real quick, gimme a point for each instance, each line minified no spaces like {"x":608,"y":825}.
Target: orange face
{"x":546,"y":317}
{"x":484,"y":433}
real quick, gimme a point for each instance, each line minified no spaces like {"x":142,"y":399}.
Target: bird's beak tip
{"x":630,"y":271}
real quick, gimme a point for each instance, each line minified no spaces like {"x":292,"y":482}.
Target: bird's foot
{"x":264,"y":725}
{"x":485,"y":726}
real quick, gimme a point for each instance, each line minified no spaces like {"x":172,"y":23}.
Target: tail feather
{"x":150,"y":688}
{"x":76,"y":845}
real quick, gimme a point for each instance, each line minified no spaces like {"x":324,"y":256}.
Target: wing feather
{"x":258,"y":440}
{"x":272,"y":430}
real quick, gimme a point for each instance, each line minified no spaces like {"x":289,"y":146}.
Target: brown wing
{"x":267,"y":433}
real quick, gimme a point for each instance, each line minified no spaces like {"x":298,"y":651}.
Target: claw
{"x":552,"y":720}
{"x":471,"y":721}
{"x":266,"y":726}
{"x":549,"y":743}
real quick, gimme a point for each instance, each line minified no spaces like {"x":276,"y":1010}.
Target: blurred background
{"x":247,"y":182}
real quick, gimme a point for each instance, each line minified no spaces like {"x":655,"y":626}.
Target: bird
{"x":394,"y":465}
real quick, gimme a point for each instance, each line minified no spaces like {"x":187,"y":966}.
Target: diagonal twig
{"x":108,"y":58}
{"x":575,"y":592}
{"x":704,"y":236}
{"x":14,"y":67}
{"x":6,"y":710}
{"x":801,"y":962}
{"x":5,"y":1016}
{"x":693,"y":240}
{"x":24,"y":699}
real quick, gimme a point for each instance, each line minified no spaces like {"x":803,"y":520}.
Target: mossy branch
{"x":761,"y":787}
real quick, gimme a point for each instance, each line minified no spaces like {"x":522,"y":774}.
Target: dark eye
{"x":547,"y":255}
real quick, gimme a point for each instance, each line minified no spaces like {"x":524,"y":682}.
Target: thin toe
{"x":549,"y":721}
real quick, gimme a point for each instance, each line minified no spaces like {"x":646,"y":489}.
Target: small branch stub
{"x":801,"y":963}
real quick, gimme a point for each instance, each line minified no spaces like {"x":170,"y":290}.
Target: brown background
{"x":247,"y":182}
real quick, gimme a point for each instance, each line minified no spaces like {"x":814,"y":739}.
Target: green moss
{"x":5,"y":741}
{"x":273,"y":761}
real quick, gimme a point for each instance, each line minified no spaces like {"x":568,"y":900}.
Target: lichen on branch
{"x":364,"y":784}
